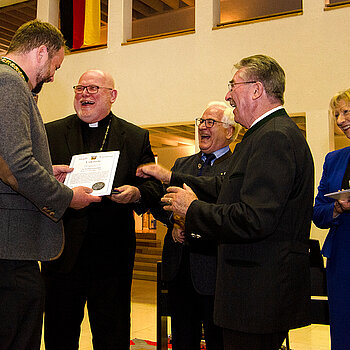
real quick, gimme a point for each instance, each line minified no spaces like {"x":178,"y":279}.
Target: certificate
{"x":94,"y":170}
{"x":343,"y":195}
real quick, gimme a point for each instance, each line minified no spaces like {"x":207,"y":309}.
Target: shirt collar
{"x":266,"y":114}
{"x":219,"y":153}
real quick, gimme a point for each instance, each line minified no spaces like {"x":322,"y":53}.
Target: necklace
{"x":13,"y":65}
{"x":106,"y":134}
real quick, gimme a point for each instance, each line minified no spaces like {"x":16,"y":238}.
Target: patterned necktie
{"x":208,"y":159}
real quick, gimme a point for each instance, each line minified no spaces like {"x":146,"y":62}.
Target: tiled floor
{"x":143,"y":325}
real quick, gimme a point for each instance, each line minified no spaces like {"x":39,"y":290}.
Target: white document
{"x":343,"y":195}
{"x":94,"y":170}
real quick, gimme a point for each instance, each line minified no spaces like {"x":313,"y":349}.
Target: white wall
{"x":171,"y":80}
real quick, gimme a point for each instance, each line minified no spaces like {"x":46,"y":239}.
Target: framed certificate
{"x":94,"y":170}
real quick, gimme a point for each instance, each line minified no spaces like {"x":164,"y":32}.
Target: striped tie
{"x":208,"y":159}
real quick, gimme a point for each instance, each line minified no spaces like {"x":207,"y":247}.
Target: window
{"x":156,"y":17}
{"x":237,"y":11}
{"x":334,"y":3}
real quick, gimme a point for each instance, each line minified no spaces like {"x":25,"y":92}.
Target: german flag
{"x":80,"y":22}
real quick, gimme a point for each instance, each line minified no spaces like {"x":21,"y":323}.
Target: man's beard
{"x":38,"y":87}
{"x":42,"y":77}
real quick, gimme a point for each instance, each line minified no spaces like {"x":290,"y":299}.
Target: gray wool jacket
{"x":32,"y":202}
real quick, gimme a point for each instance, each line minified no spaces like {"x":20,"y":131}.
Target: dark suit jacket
{"x":262,"y":220}
{"x":203,"y":253}
{"x":111,"y":239}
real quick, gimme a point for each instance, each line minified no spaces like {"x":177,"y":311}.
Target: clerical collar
{"x":101,"y":123}
{"x":17,"y":68}
{"x":96,"y":128}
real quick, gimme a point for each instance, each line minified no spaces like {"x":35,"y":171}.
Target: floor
{"x":143,"y":325}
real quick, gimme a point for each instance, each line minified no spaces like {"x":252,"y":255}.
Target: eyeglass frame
{"x":232,"y":84}
{"x":87,"y":87}
{"x":200,"y":121}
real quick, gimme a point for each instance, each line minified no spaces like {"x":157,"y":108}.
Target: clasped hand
{"x":179,"y":199}
{"x":344,"y":203}
{"x":178,"y":234}
{"x":126,"y":194}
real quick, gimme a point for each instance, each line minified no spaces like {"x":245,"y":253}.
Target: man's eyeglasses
{"x":231,"y":84}
{"x":91,"y":89}
{"x":209,"y":123}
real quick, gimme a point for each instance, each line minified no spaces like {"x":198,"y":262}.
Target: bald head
{"x":99,"y":74}
{"x":93,"y":107}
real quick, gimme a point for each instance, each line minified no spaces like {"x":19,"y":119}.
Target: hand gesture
{"x":155,"y":170}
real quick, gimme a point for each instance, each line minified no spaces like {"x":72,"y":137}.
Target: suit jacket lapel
{"x":117,"y":142}
{"x":74,"y":138}
{"x":116,"y":137}
{"x":278,"y":113}
{"x":223,"y":157}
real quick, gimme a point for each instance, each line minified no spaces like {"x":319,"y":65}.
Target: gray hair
{"x":228,"y":118}
{"x":266,"y":70}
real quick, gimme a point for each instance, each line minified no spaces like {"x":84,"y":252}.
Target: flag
{"x":66,"y":17}
{"x":80,"y":22}
{"x":92,"y":22}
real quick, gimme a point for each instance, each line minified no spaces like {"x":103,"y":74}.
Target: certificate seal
{"x":98,"y":186}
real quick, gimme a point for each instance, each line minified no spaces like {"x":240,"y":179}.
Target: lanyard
{"x":13,"y":65}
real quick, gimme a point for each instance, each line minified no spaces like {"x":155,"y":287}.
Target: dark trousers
{"x":188,"y":311}
{"x":248,"y":341}
{"x":21,"y":305}
{"x":108,"y":304}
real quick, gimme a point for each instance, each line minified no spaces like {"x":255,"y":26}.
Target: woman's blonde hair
{"x":339,"y":96}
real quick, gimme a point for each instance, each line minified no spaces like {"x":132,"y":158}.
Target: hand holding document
{"x":60,"y":172}
{"x":93,"y":170}
{"x":125,"y":194}
{"x":82,"y":198}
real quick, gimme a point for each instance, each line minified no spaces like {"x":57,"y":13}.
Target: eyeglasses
{"x":91,"y":89}
{"x":231,"y":84}
{"x":209,"y":123}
